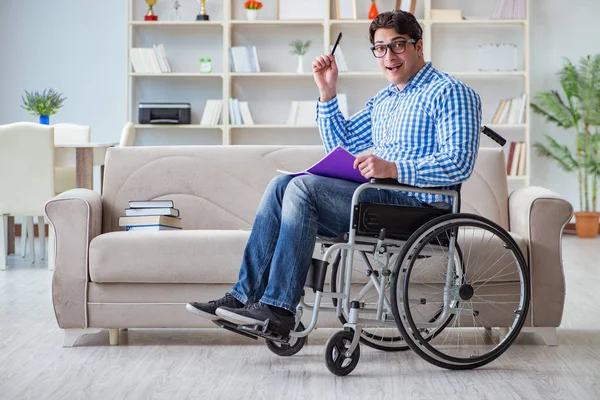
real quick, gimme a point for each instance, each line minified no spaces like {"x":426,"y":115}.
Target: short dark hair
{"x":402,"y":22}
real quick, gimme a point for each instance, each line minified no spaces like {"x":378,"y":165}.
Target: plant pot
{"x":586,"y":224}
{"x":252,"y":15}
{"x":44,"y":119}
{"x":300,"y":68}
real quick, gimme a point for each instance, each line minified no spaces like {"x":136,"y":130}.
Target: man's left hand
{"x":371,"y":166}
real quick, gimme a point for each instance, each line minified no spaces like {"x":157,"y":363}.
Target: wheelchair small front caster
{"x":294,"y":345}
{"x":335,"y":353}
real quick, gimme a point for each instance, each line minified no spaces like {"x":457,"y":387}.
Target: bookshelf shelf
{"x":484,"y":22}
{"x":278,"y":22}
{"x":491,"y":74}
{"x":175,"y":126}
{"x":177,"y":75}
{"x":450,"y":45}
{"x":272,"y":126}
{"x":185,"y":24}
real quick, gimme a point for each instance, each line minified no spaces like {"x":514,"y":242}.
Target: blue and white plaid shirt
{"x":430,"y":129}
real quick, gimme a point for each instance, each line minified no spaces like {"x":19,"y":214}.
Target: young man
{"x":424,"y":128}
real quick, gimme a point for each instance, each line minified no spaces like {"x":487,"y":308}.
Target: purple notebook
{"x":339,"y":163}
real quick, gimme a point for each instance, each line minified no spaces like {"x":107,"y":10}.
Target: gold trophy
{"x":150,"y":16}
{"x":202,"y":16}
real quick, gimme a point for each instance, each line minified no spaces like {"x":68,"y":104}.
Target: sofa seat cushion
{"x":186,"y":256}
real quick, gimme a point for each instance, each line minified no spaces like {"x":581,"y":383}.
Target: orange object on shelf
{"x":373,"y":12}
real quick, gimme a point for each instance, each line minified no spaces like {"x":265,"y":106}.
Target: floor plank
{"x":212,"y":364}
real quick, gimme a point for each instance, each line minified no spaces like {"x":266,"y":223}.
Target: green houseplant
{"x":576,"y":110}
{"x":43,"y":104}
{"x":300,"y":48}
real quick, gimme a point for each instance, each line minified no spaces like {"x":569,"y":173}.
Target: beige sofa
{"x":106,"y":278}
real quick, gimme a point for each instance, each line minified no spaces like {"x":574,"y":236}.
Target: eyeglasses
{"x":397,"y":47}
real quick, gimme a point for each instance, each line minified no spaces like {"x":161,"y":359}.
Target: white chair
{"x":127,"y":135}
{"x":27,"y":178}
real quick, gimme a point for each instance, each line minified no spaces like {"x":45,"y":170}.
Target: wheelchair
{"x":451,"y":286}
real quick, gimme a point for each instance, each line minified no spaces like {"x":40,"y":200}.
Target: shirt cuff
{"x":407,"y":172}
{"x":327,"y":109}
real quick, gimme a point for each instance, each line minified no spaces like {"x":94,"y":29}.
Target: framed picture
{"x":346,"y":9}
{"x":305,"y":9}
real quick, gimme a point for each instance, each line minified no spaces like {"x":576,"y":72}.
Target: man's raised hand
{"x":325,"y":73}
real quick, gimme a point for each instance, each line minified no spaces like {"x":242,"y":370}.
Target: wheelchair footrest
{"x":267,"y":331}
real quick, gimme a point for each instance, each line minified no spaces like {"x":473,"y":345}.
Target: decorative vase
{"x":373,"y":12}
{"x":44,"y":119}
{"x":586,"y":224}
{"x":252,"y":15}
{"x":300,"y":68}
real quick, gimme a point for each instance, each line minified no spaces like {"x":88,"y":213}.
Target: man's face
{"x":399,"y":68}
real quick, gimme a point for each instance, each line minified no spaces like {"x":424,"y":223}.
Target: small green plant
{"x":45,"y":103}
{"x":299,"y":47}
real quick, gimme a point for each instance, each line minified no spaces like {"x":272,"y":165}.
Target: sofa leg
{"x":71,"y":335}
{"x":113,"y":335}
{"x":547,"y":333}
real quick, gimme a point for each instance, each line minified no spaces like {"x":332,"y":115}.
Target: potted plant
{"x":43,"y":104}
{"x":579,"y":112}
{"x":300,"y":48}
{"x":252,"y":8}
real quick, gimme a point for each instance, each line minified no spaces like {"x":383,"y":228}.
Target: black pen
{"x":337,"y":41}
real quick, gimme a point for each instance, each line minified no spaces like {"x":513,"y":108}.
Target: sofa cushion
{"x":186,"y":256}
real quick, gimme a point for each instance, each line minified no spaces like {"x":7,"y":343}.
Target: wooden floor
{"x":212,"y":364}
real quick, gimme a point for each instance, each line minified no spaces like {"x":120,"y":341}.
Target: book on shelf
{"x":239,"y":112}
{"x":151,"y":204}
{"x":144,"y":220}
{"x":516,"y":161}
{"x":511,"y":111}
{"x":303,"y":113}
{"x":212,"y":112}
{"x":172,"y":212}
{"x":150,"y":60}
{"x":338,"y":163}
{"x":340,"y":61}
{"x":244,"y":59}
{"x":152,"y":228}
{"x":510,"y":9}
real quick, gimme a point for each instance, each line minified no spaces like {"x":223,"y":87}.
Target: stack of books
{"x":150,"y":60}
{"x":151,"y":215}
{"x":244,"y":59}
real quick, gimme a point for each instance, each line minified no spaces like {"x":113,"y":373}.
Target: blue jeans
{"x":292,"y":212}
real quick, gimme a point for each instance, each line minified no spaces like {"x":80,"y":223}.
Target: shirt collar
{"x":418,"y":80}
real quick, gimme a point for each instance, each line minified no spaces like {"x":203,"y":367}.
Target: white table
{"x":83,"y":157}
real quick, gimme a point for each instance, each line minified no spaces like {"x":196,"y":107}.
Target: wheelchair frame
{"x":387,"y":313}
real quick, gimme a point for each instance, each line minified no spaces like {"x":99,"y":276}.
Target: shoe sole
{"x":237,"y":319}
{"x":201,"y":313}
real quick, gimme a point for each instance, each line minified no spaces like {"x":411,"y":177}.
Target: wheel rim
{"x":477,"y":299}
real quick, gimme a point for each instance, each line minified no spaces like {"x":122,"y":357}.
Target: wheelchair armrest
{"x":410,"y":188}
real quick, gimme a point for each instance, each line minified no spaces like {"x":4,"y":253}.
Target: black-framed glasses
{"x":397,"y":47}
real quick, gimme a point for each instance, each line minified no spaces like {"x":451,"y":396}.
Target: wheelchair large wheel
{"x":484,"y":309}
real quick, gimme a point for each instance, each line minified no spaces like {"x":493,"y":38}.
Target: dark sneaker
{"x":207,"y":310}
{"x":257,"y":314}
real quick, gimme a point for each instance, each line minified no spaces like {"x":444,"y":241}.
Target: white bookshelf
{"x":450,"y":45}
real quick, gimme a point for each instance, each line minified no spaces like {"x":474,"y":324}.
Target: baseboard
{"x":35,"y":230}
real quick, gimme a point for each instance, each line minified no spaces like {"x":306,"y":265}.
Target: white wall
{"x":558,"y":29}
{"x":79,"y":48}
{"x":76,"y":47}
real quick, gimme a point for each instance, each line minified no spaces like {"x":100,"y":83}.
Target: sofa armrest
{"x":76,"y":218}
{"x":539,"y":216}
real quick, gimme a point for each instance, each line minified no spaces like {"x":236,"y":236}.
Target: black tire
{"x":335,"y":353}
{"x":367,"y":338}
{"x":416,"y":243}
{"x":288,"y":349}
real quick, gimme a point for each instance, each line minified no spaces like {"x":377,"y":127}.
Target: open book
{"x":339,"y":163}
